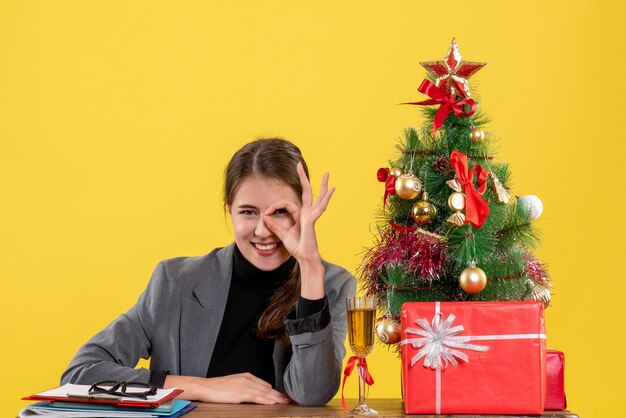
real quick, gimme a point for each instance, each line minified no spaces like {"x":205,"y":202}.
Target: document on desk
{"x":70,"y":390}
{"x":54,"y":410}
{"x":80,"y":393}
{"x":34,"y":411}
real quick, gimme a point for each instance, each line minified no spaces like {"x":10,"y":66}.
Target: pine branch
{"x":517,"y":229}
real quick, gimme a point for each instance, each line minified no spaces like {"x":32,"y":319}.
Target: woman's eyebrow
{"x":245,"y":206}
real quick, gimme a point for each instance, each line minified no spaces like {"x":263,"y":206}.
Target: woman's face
{"x":255,"y":240}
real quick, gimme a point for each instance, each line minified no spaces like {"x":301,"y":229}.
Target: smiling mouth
{"x":266,"y":247}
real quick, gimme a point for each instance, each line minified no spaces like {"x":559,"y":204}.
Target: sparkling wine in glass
{"x":361,"y":318}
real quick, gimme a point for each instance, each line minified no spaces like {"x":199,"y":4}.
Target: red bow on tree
{"x":447,"y":103}
{"x":476,"y":209}
{"x":384,"y":176}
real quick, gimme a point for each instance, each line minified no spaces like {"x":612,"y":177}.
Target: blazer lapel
{"x":202,"y":313}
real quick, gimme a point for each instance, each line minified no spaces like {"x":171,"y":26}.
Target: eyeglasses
{"x":129,"y":389}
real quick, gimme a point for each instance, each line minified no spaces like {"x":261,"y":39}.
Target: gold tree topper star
{"x":452,"y":72}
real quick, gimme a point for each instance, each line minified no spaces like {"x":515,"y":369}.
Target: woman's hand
{"x":234,"y":388}
{"x":300,"y":239}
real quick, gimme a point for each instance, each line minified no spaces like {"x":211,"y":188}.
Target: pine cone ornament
{"x":442,"y":165}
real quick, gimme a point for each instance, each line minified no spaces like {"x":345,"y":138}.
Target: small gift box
{"x":473,"y":357}
{"x":555,"y":396}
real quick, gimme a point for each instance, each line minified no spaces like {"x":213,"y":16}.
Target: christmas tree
{"x":451,"y":229}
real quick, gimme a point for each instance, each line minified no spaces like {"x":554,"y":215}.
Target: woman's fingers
{"x":275,"y":227}
{"x":269,"y":398}
{"x":305,"y":215}
{"x":307,"y":192}
{"x":276,"y":214}
{"x":257,"y":390}
{"x":290,"y":206}
{"x":324,"y":202}
{"x":248,"y":388}
{"x":321,"y":203}
{"x":234,"y":388}
{"x":324,"y":185}
{"x":252,"y":379}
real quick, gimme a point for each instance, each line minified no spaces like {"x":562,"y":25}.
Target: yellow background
{"x":117,"y":119}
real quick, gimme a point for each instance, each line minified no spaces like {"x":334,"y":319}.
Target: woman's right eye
{"x":247,"y":212}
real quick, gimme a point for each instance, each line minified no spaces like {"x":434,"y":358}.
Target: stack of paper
{"x":75,"y":401}
{"x":54,"y":410}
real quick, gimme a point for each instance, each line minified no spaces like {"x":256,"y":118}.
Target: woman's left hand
{"x":300,"y":239}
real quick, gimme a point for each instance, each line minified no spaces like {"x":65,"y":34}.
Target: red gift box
{"x":555,"y":365}
{"x":473,"y":357}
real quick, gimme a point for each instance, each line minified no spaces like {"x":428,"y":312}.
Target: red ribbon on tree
{"x":447,"y":103}
{"x":476,"y":209}
{"x":352,"y":361}
{"x":384,"y":176}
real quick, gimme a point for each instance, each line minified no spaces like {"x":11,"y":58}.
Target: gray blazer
{"x":176,"y":321}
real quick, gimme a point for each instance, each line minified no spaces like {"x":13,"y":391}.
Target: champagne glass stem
{"x":362,"y":384}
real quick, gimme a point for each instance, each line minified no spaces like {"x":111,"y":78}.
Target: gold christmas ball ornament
{"x":477,"y":135}
{"x":408,"y":186}
{"x":473,"y":279}
{"x":538,"y":293}
{"x":456,"y":201}
{"x":423,"y":212}
{"x":388,"y":331}
{"x":396,"y":172}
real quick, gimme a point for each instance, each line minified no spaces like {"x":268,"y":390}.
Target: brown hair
{"x":274,"y":158}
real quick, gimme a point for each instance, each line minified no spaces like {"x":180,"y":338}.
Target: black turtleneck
{"x":237,"y":348}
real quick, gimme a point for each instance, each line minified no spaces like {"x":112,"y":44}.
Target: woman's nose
{"x":261,"y":230}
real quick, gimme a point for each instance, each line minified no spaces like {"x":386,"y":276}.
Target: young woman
{"x":262,"y":320}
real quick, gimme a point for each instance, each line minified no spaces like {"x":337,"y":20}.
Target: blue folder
{"x":179,"y":408}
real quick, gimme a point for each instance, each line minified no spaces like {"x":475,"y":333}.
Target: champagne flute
{"x":361,"y":318}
